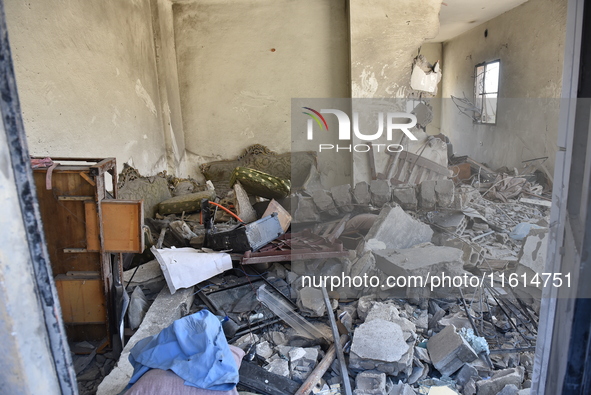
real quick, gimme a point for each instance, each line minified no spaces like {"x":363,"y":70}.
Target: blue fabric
{"x":194,"y":347}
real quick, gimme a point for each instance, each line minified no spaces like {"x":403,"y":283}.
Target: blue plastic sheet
{"x":193,"y":347}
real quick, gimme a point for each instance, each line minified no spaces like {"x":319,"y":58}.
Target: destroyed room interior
{"x":195,"y":200}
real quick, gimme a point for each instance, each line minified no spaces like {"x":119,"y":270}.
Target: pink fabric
{"x":165,"y":382}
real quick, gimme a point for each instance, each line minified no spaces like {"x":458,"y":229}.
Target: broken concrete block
{"x":427,"y":197}
{"x":441,"y":390}
{"x":370,"y":383}
{"x":278,"y":338}
{"x":420,"y":261}
{"x":324,"y":202}
{"x":444,"y":193}
{"x":163,"y":312}
{"x":422,"y":354}
{"x":473,"y":255}
{"x":396,"y":229}
{"x":383,"y":311}
{"x":388,"y":312}
{"x":401,"y":389}
{"x":341,"y":195}
{"x":361,"y":193}
{"x":301,"y":362}
{"x":364,"y":305}
{"x":449,"y":351}
{"x":306,"y":210}
{"x":450,"y":221}
{"x":405,"y":196}
{"x":532,"y":257}
{"x":311,"y":302}
{"x":469,"y":388}
{"x":380,"y":192}
{"x":264,"y":350}
{"x":510,"y":389}
{"x":312,"y":182}
{"x":246,"y":341}
{"x":466,"y":373}
{"x":380,"y":345}
{"x":278,"y":366}
{"x":499,"y":380}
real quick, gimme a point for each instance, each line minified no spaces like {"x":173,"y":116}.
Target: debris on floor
{"x":421,"y":334}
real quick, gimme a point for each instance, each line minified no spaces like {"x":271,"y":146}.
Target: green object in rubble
{"x":185,"y":203}
{"x":260,"y":184}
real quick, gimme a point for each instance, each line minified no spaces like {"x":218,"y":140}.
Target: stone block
{"x":389,"y":312}
{"x":279,"y":367}
{"x":264,"y":350}
{"x":473,"y":254}
{"x":402,"y":389}
{"x":324,"y":202}
{"x":301,"y":362}
{"x":342,"y":197}
{"x":532,"y":256}
{"x":306,"y":210}
{"x":449,"y":351}
{"x":380,"y":192}
{"x":380,"y":345}
{"x":499,"y":380}
{"x":361,"y":193}
{"x":364,"y":305}
{"x":370,"y":383}
{"x":466,"y":373}
{"x":428,"y":259}
{"x":405,"y":196}
{"x":396,"y":229}
{"x":444,"y":193}
{"x":427,"y":197}
{"x":311,"y":302}
{"x":510,"y":389}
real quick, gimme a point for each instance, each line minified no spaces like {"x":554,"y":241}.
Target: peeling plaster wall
{"x":168,"y":81}
{"x":87,"y":80}
{"x":385,"y":38}
{"x":529,"y":41}
{"x":241,"y":62}
{"x":434,"y":53}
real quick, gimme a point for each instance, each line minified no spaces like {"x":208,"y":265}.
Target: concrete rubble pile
{"x":477,"y":338}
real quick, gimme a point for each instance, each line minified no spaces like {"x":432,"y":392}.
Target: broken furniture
{"x":84,"y":225}
{"x":295,"y":246}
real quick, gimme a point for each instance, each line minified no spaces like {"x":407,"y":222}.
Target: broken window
{"x":486,"y":88}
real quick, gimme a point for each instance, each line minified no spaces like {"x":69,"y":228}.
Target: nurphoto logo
{"x":392,"y":121}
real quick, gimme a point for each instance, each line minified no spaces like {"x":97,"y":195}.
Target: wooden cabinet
{"x":86,"y":229}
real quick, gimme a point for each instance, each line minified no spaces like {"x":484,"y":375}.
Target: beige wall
{"x":87,"y":80}
{"x":385,"y":38}
{"x":168,"y":82}
{"x":434,"y":53}
{"x":529,"y":42}
{"x":241,"y":62}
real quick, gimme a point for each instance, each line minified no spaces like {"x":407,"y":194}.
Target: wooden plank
{"x":64,"y":220}
{"x":81,"y":299}
{"x":122,"y":221}
{"x":92,"y":228}
{"x":87,"y":178}
{"x":74,"y":198}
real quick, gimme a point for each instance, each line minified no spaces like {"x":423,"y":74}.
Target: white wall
{"x":87,"y":80}
{"x":529,"y":42}
{"x":241,"y":62}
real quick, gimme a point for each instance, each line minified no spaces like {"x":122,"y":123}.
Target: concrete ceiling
{"x":459,"y":16}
